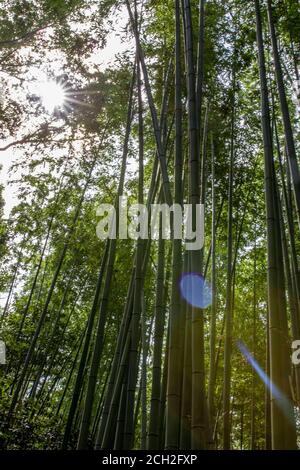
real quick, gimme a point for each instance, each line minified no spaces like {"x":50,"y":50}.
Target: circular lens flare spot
{"x":196,"y":290}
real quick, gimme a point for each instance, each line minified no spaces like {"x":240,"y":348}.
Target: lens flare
{"x":195,"y":290}
{"x":282,"y":401}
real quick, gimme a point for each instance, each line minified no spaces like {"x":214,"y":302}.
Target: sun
{"x":52,"y":95}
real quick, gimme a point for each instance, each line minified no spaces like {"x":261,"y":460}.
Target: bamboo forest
{"x":120,"y":337}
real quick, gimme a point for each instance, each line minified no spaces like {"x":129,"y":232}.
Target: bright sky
{"x":106,"y":57}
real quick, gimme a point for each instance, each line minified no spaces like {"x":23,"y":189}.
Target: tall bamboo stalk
{"x":289,"y":137}
{"x":212,"y":343}
{"x":282,"y":422}
{"x":98,"y":343}
{"x":229,"y":286}
{"x":155,"y":404}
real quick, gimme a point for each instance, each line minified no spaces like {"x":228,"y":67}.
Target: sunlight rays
{"x":55,"y":95}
